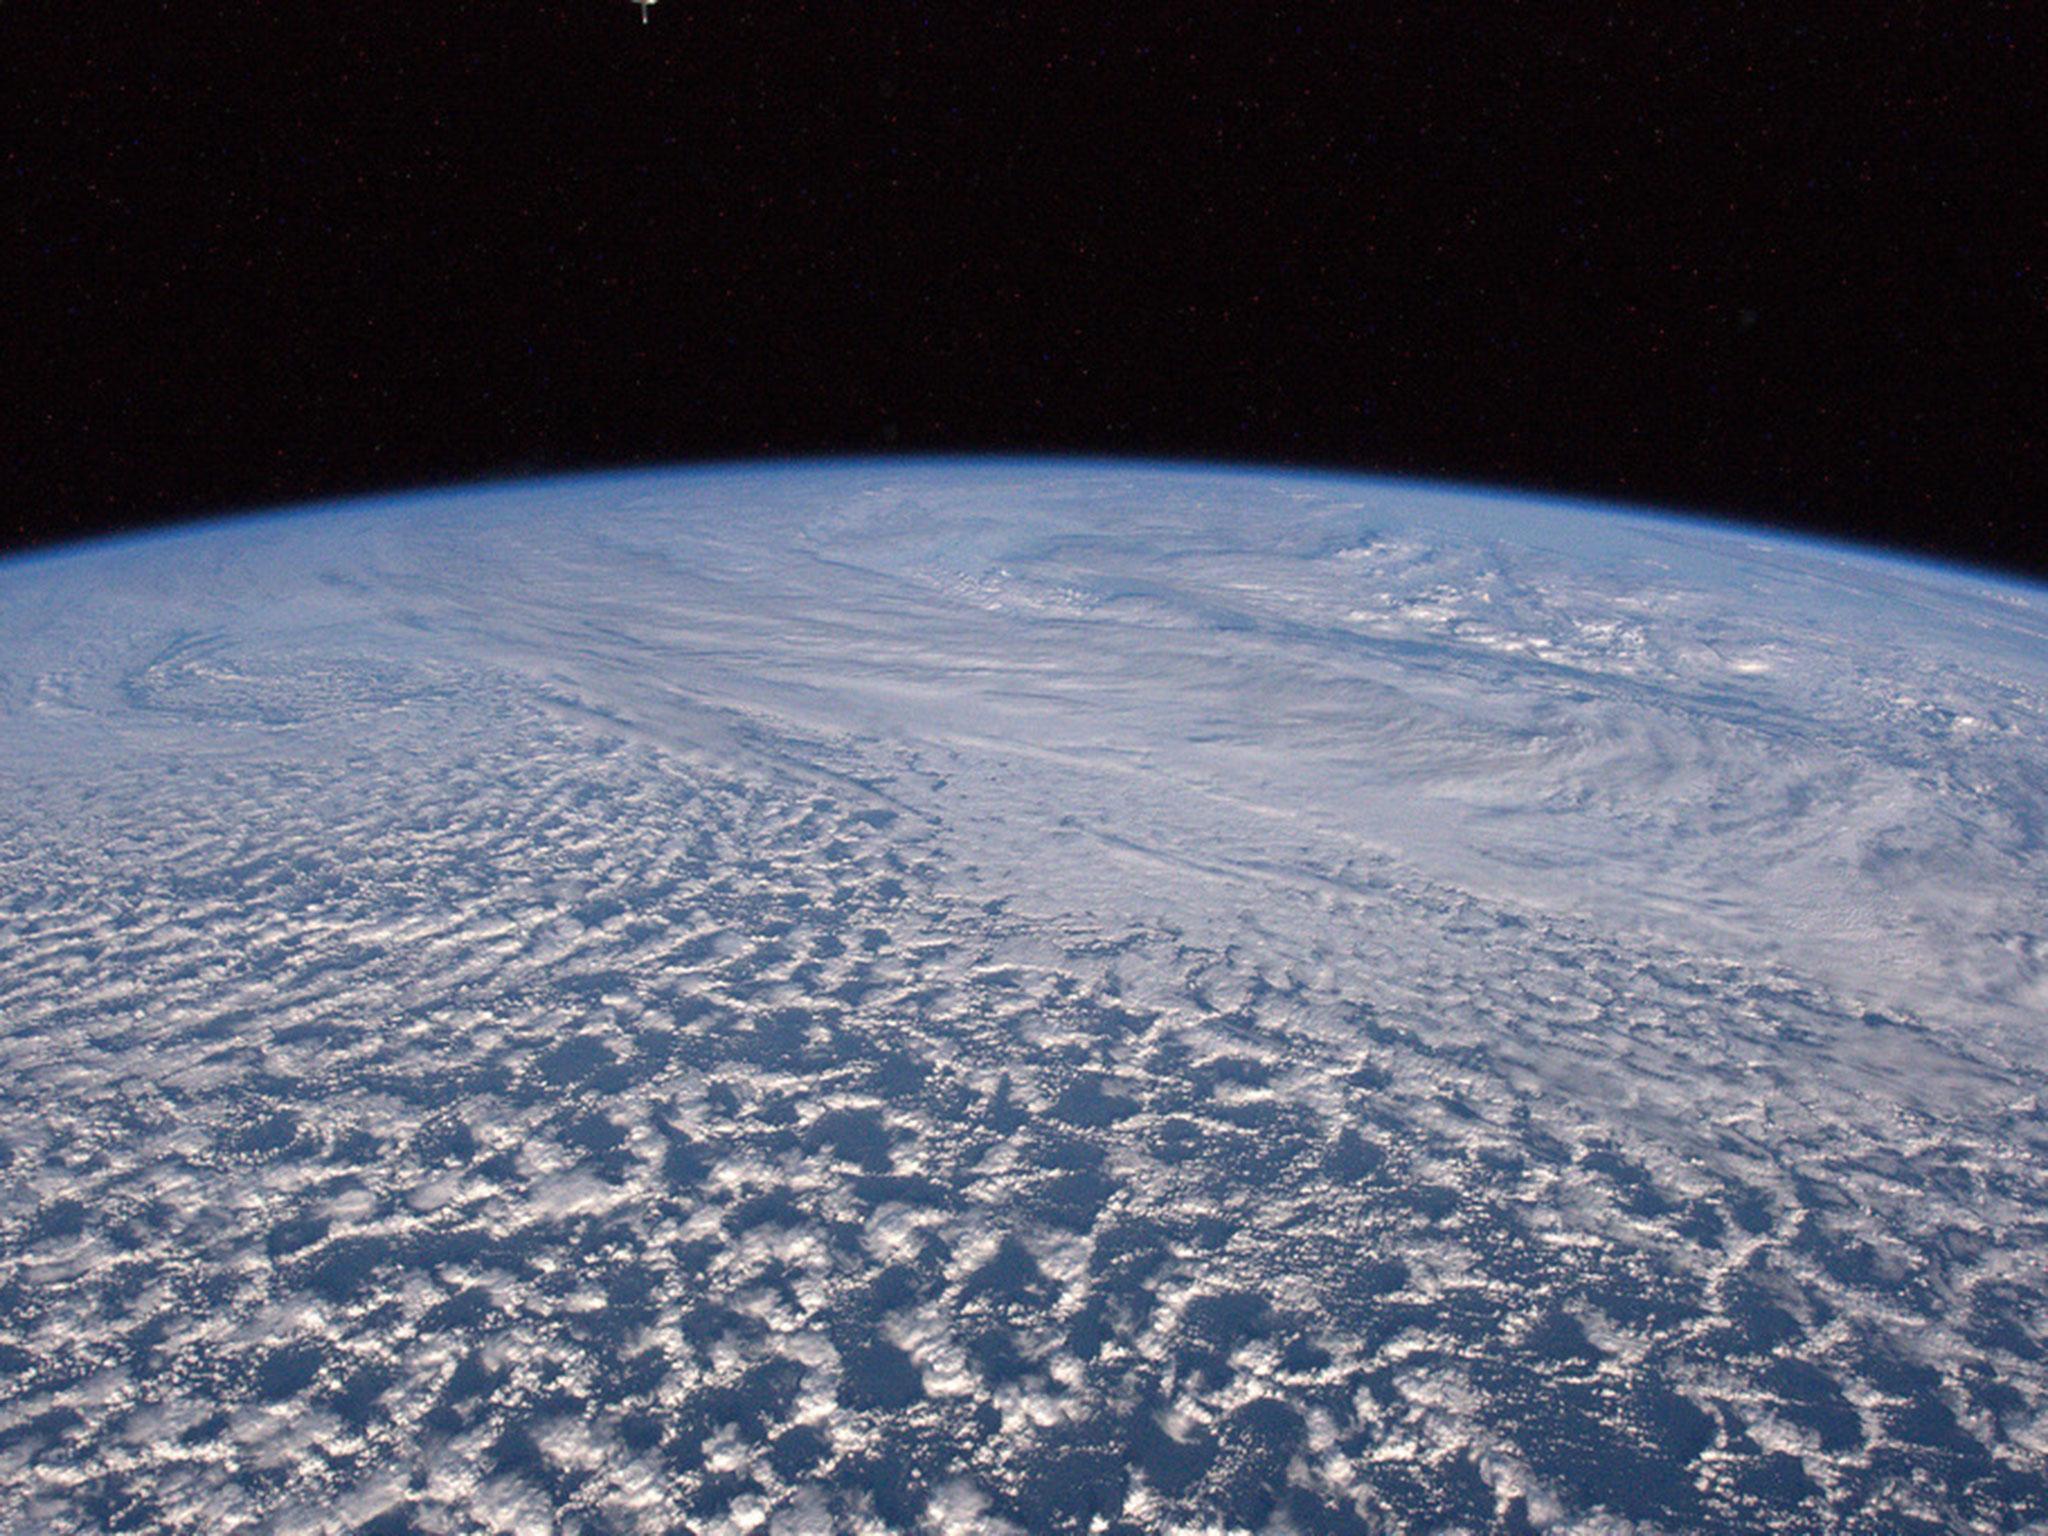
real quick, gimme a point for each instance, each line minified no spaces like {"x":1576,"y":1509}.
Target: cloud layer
{"x":968,"y":998}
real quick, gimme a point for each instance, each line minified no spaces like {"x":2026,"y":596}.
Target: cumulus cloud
{"x":1017,"y":1000}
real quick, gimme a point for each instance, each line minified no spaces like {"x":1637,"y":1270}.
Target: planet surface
{"x":1017,"y":995}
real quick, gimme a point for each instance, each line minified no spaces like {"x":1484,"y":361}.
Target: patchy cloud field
{"x":1019,"y":996}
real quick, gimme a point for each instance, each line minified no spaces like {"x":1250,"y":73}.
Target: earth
{"x":988,"y":995}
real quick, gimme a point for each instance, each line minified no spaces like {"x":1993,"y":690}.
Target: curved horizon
{"x":1749,"y":523}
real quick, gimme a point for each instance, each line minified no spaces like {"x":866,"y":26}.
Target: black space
{"x":1772,"y":266}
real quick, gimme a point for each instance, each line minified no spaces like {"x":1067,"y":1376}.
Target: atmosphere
{"x":915,"y":770}
{"x":1019,"y":997}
